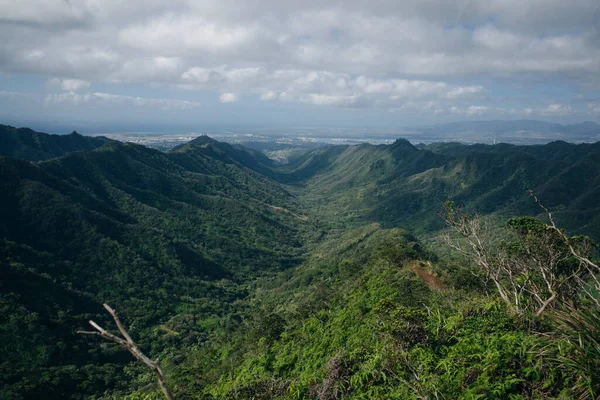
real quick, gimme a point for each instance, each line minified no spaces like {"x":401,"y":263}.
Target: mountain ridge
{"x":36,"y":146}
{"x":508,"y":126}
{"x":210,"y":240}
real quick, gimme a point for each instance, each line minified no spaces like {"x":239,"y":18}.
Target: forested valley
{"x":398,"y":271}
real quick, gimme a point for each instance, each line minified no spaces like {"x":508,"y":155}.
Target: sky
{"x":193,"y":65}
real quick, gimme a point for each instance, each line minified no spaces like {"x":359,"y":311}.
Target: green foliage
{"x":35,"y":146}
{"x":577,"y":349}
{"x":378,"y":341}
{"x":400,"y":185}
{"x":169,"y":247}
{"x":249,"y":280}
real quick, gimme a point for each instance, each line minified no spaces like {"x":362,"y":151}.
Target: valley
{"x":323,"y":277}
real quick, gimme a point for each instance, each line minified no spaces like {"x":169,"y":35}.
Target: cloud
{"x":321,"y":87}
{"x":182,"y":34}
{"x":99,"y":98}
{"x":9,"y":94}
{"x":385,"y":54}
{"x":464,"y":91}
{"x":229,"y":97}
{"x":269,"y":96}
{"x":69,"y":85}
{"x":477,"y":110}
{"x":557,"y":109}
{"x":45,"y":13}
{"x":157,"y":69}
{"x":594,"y":108}
{"x":325,"y":99}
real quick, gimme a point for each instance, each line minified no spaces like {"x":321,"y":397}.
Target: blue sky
{"x":183,"y":65}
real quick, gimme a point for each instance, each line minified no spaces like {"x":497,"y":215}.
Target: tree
{"x":581,"y":248}
{"x":540,"y":266}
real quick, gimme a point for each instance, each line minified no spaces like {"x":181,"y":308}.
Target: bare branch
{"x":122,"y":329}
{"x":591,"y":267}
{"x":562,"y":234}
{"x":130,"y":345}
{"x":89,"y":333}
{"x":527,"y":273}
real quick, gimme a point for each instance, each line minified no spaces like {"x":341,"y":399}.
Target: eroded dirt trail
{"x":423,"y":271}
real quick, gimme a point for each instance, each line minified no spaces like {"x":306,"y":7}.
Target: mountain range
{"x":501,"y":126}
{"x":190,"y":243}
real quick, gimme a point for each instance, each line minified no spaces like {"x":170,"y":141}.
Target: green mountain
{"x":402,"y":185}
{"x":500,"y":126}
{"x":253,"y":280}
{"x":35,"y":146}
{"x":134,"y":227}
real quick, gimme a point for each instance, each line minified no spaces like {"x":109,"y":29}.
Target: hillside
{"x":36,"y":146}
{"x":404,"y":185}
{"x":131,"y":226}
{"x":252,"y":280}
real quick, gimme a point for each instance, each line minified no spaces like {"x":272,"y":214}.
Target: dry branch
{"x":592,"y":268}
{"x":530,"y":279}
{"x":130,"y":345}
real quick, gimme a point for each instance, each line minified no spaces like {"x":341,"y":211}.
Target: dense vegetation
{"x":36,"y":146}
{"x":251,"y":280}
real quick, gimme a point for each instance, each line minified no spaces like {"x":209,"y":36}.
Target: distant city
{"x":278,"y":144}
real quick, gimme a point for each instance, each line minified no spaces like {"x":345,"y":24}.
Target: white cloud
{"x":229,"y":97}
{"x":69,"y":85}
{"x":455,"y":110}
{"x":43,"y":12}
{"x":99,"y":98}
{"x":4,"y":93}
{"x":477,"y":110}
{"x":268,"y":96}
{"x":150,"y":69}
{"x":324,"y":99}
{"x":321,"y":87}
{"x":181,"y":34}
{"x":594,"y":108}
{"x":357,"y":54}
{"x":557,"y":109}
{"x":464,"y":91}
{"x":495,"y":39}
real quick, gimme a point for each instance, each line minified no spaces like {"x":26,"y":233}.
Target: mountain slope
{"x":130,"y":226}
{"x":250,"y":280}
{"x":35,"y":146}
{"x":224,"y":152}
{"x":404,"y":185}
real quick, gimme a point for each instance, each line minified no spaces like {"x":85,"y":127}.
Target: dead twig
{"x":130,"y":345}
{"x":591,"y":267}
